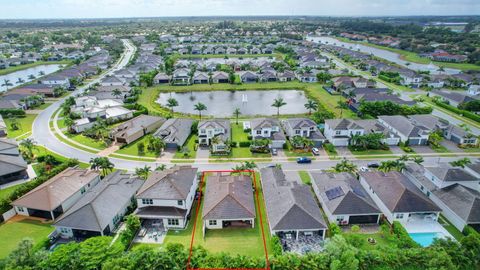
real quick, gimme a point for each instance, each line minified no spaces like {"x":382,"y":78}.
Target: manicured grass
{"x":471,"y":150}
{"x":60,"y":123}
{"x":305,"y":176}
{"x":415,"y":58}
{"x":190,"y":144}
{"x":242,"y":241}
{"x":132,"y":149}
{"x":291,"y":152}
{"x":242,"y":152}
{"x":238,"y":135}
{"x":24,"y":125}
{"x":12,"y":233}
{"x":382,"y":241}
{"x":439,"y":149}
{"x":86,"y":141}
{"x":312,"y":90}
{"x":458,"y":235}
{"x":370,"y":152}
{"x":22,"y":67}
{"x":7,"y":191}
{"x":43,"y":106}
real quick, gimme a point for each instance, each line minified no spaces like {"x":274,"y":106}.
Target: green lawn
{"x":382,"y":241}
{"x":238,"y":135}
{"x":7,"y":191}
{"x":312,"y":90}
{"x":242,"y":152}
{"x":241,"y":241}
{"x":190,"y":144}
{"x":131,"y":149}
{"x":450,"y":228}
{"x":40,"y":151}
{"x":291,"y":152}
{"x":439,"y":149}
{"x":370,"y":152}
{"x":43,"y":106}
{"x":12,"y":233}
{"x":305,"y":176}
{"x":24,"y":125}
{"x":86,"y":141}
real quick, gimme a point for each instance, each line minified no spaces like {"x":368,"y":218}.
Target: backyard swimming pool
{"x":425,"y":239}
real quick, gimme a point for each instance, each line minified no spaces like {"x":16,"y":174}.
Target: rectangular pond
{"x":250,"y":103}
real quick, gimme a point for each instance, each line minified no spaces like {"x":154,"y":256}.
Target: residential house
{"x":228,"y":202}
{"x":136,"y":128}
{"x":55,"y":196}
{"x":291,"y":208}
{"x":167,"y":197}
{"x":303,"y":127}
{"x":449,"y":131}
{"x":308,"y":77}
{"x":405,"y":129}
{"x":344,"y":200}
{"x":215,"y":133}
{"x":397,"y":198}
{"x":248,"y":77}
{"x":339,"y":131}
{"x":220,"y":77}
{"x":181,"y":77}
{"x":455,"y":190}
{"x":55,"y":80}
{"x":101,"y":209}
{"x":175,"y":132}
{"x":286,"y":76}
{"x":410,"y":77}
{"x":3,"y":127}
{"x":111,"y":81}
{"x":268,"y":128}
{"x":453,"y":98}
{"x":161,"y":78}
{"x":268,"y":76}
{"x":12,"y":165}
{"x":200,"y":78}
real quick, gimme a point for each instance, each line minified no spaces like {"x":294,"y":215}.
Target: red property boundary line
{"x":200,"y":197}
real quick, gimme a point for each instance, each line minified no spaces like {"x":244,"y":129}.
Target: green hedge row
{"x":405,"y":240}
{"x":451,"y":108}
{"x":14,"y":112}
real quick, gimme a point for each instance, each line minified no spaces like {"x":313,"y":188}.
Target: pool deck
{"x":422,"y":226}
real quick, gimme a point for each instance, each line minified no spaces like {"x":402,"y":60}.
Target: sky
{"x":32,"y":9}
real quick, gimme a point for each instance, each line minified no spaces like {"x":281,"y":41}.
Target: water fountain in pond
{"x":244,"y":98}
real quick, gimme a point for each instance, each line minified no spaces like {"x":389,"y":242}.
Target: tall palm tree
{"x":31,"y":77}
{"x":200,"y":107}
{"x":105,"y":165}
{"x":345,"y":166}
{"x":236,"y":112}
{"x":171,"y":103}
{"x":116,"y":93}
{"x":311,"y":105}
{"x":20,"y":80}
{"x":161,"y":167}
{"x":6,"y":83}
{"x":143,"y":173}
{"x":418,"y":159}
{"x":27,"y":146}
{"x":341,"y":105}
{"x":277,"y":103}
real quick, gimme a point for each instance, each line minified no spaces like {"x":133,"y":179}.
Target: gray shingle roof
{"x":171,"y":184}
{"x":398,"y":193}
{"x":290,"y":206}
{"x":137,"y":124}
{"x":404,"y":126}
{"x":448,"y":173}
{"x":97,"y":208}
{"x":354,"y":201}
{"x":175,"y":130}
{"x":465,"y":202}
{"x":228,"y":197}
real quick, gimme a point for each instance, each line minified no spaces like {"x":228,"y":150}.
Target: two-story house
{"x":167,"y":196}
{"x":303,"y":127}
{"x":214,"y":133}
{"x":339,"y":131}
{"x":268,"y":128}
{"x":405,"y":129}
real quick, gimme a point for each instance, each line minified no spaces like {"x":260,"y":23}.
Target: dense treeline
{"x":339,"y":253}
{"x":376,"y":108}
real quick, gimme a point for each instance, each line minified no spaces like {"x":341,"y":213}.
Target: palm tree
{"x":6,"y":83}
{"x":161,"y":167}
{"x":20,"y":80}
{"x":418,"y":159}
{"x":143,"y":173}
{"x":31,"y":77}
{"x":27,"y":146}
{"x":41,"y":73}
{"x":236,"y":112}
{"x":94,"y":164}
{"x":341,"y":105}
{"x":171,"y":103}
{"x":116,"y":93}
{"x":200,"y":107}
{"x":277,"y":103}
{"x":311,"y":105}
{"x":345,"y":166}
{"x":386,"y":166}
{"x":101,"y":163}
{"x":441,"y":69}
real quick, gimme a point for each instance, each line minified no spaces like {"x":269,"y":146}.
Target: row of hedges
{"x":451,"y":108}
{"x":24,"y":188}
{"x":139,"y":109}
{"x":13,"y":112}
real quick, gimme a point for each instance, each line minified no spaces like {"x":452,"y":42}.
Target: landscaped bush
{"x":467,"y":114}
{"x":469,"y":230}
{"x":334,"y":229}
{"x":330,"y":148}
{"x":276,"y":246}
{"x":12,"y":112}
{"x":245,"y":144}
{"x":233,"y":144}
{"x":405,"y":240}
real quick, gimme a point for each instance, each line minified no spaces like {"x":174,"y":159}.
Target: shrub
{"x":355,"y":228}
{"x":276,"y":246}
{"x":13,"y":112}
{"x":245,"y":144}
{"x":334,"y":229}
{"x":405,"y":241}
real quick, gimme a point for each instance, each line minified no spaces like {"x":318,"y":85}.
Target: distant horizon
{"x":124,"y":9}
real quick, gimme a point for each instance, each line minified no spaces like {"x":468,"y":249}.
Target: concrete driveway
{"x":451,"y":146}
{"x":422,"y":149}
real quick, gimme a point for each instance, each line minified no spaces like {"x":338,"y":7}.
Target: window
{"x":180,"y":202}
{"x":421,"y":187}
{"x":259,"y":132}
{"x":297,"y":131}
{"x":20,"y":209}
{"x":147,"y":201}
{"x":64,"y":230}
{"x":358,"y":132}
{"x":212,"y":222}
{"x":173,"y":222}
{"x":116,"y":219}
{"x":428,"y":193}
{"x":399,"y":216}
{"x":337,"y":132}
{"x":82,"y":190}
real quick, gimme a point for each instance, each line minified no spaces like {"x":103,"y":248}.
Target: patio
{"x":426,"y":224}
{"x":152,"y":231}
{"x":304,"y":244}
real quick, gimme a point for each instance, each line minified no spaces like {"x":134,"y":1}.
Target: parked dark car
{"x":304,"y":160}
{"x":373,"y":165}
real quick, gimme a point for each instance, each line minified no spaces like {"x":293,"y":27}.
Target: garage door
{"x":363,"y":219}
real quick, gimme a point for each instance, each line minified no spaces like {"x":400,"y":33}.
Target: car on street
{"x":274,"y":151}
{"x":304,"y":160}
{"x":315,"y":151}
{"x":373,"y":165}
